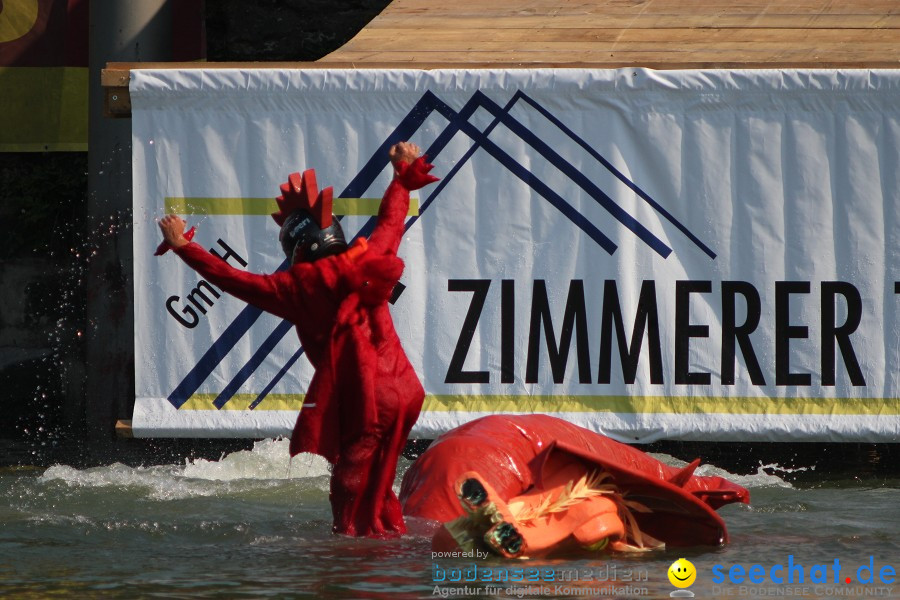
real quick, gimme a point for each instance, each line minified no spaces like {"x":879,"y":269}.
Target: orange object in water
{"x":532,"y":485}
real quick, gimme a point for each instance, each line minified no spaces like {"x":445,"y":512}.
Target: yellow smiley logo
{"x":682,"y":573}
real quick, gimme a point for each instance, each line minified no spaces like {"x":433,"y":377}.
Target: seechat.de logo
{"x":795,"y":572}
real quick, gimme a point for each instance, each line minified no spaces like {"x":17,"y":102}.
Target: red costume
{"x":364,"y":396}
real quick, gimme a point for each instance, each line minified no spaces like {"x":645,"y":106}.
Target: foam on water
{"x":760,"y":479}
{"x":269,"y":459}
{"x":267,"y":464}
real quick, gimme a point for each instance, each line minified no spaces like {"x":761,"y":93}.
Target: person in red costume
{"x":364,"y":396}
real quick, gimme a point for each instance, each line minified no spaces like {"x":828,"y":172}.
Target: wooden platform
{"x":660,"y":34}
{"x":657,"y":34}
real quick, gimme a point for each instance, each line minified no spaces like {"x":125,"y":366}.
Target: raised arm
{"x":277,"y":293}
{"x":410,"y":173}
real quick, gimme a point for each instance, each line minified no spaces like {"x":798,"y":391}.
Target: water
{"x":253,"y":525}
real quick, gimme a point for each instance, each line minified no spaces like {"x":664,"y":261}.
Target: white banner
{"x":697,"y":255}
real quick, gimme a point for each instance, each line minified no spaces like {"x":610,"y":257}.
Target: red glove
{"x":415,"y":175}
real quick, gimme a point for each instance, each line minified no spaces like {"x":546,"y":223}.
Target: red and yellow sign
{"x":44,"y":70}
{"x":43,"y":75}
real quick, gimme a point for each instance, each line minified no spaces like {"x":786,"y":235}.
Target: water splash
{"x":269,"y":459}
{"x":47,"y":424}
{"x":266,"y":467}
{"x":760,"y":479}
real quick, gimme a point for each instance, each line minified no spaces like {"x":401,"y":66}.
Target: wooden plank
{"x":744,"y":14}
{"x":658,"y":34}
{"x":123,"y":429}
{"x":428,"y":22}
{"x":698,"y":44}
{"x":764,"y":58}
{"x":605,"y":6}
{"x":116,"y":74}
{"x":810,"y":36}
{"x":520,"y":7}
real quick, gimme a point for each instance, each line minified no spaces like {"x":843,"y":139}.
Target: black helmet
{"x":303,"y":241}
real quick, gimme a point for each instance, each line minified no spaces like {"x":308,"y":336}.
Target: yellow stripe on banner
{"x":43,"y":109}
{"x":665,"y":405}
{"x":614,"y":404}
{"x":243,"y":402}
{"x":266,"y":206}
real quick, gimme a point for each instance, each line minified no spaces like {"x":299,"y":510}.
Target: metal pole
{"x":124,"y":31}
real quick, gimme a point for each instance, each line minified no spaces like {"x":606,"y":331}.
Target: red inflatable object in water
{"x":532,"y":485}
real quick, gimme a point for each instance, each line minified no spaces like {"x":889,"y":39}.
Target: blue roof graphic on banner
{"x":458,"y":122}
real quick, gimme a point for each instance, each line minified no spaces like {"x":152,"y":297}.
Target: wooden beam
{"x":604,"y":34}
{"x":123,"y":429}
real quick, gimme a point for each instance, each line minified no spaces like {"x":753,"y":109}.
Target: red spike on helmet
{"x":300,"y":192}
